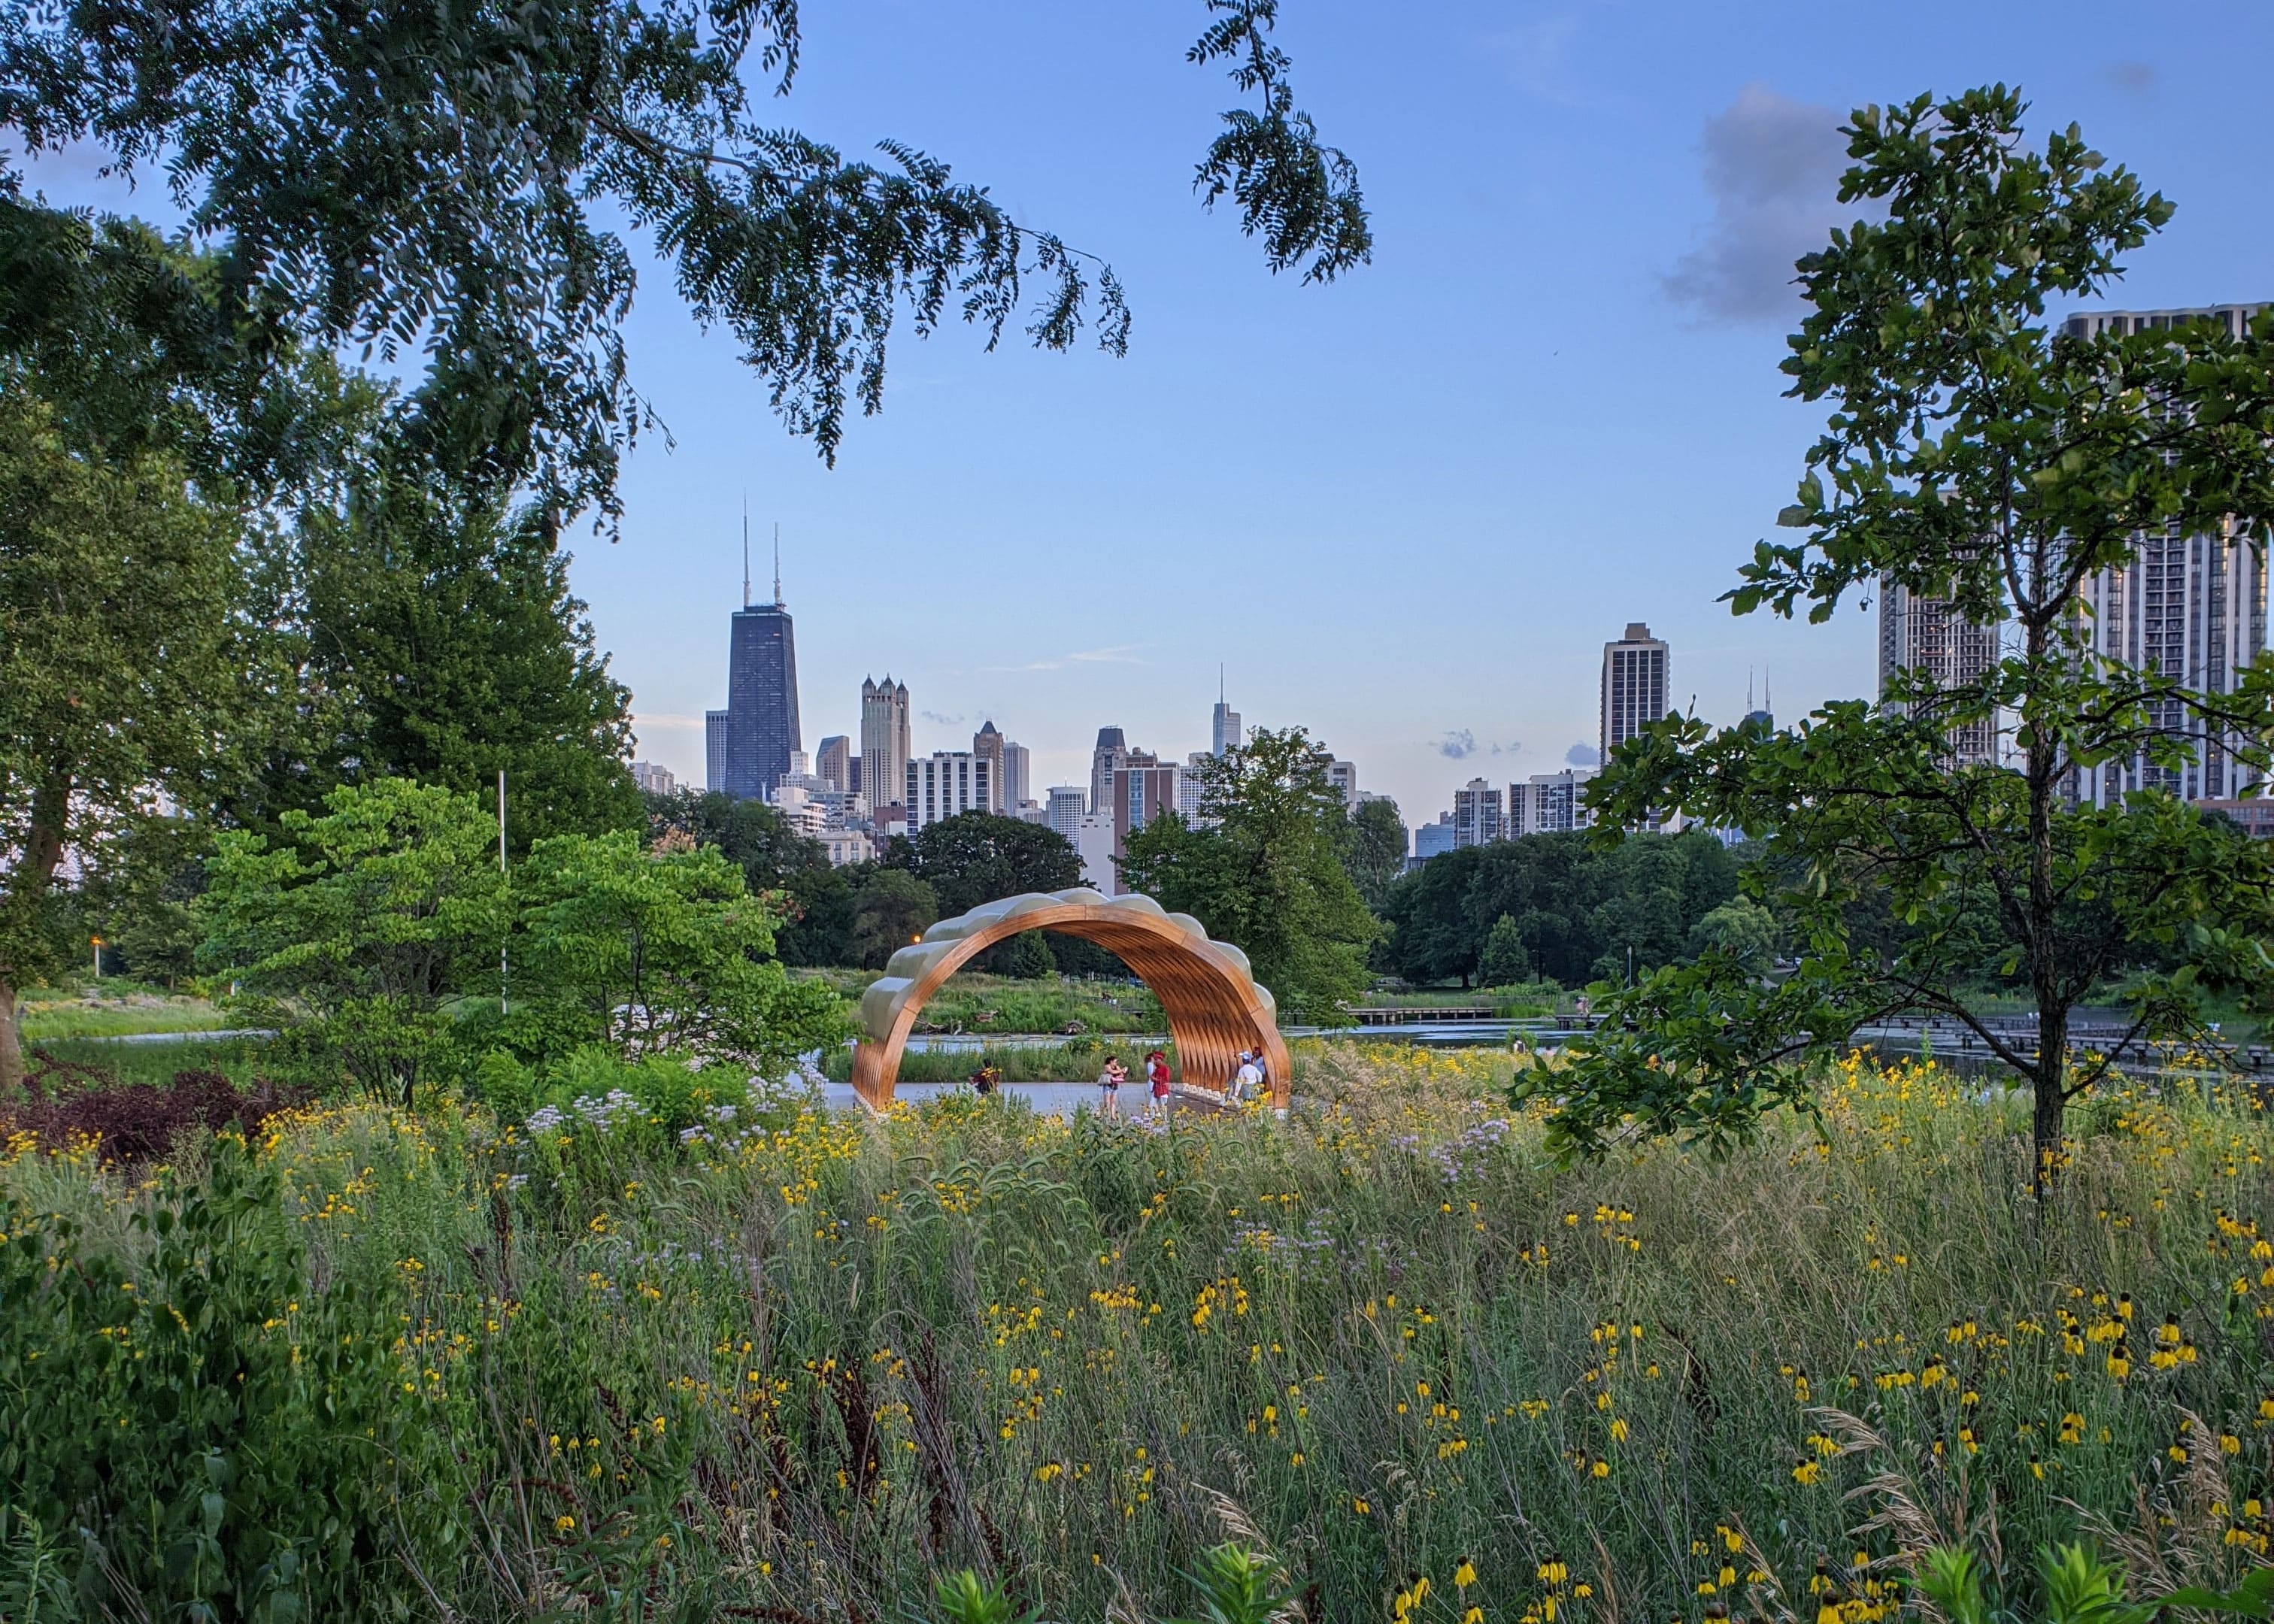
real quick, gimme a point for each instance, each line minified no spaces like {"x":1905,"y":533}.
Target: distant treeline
{"x":1560,"y":907}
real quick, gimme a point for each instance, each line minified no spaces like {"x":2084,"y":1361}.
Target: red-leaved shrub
{"x":63,"y":1101}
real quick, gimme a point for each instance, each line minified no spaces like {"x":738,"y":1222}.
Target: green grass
{"x":796,"y":1371}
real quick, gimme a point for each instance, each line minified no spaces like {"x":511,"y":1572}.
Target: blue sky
{"x":1405,"y":510}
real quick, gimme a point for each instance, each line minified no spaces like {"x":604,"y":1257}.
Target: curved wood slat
{"x":1214,"y":1006}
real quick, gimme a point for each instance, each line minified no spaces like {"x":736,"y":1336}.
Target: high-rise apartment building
{"x":883,"y":740}
{"x":1928,"y":634}
{"x":653,"y":780}
{"x":1476,"y":813}
{"x":833,"y":763}
{"x":1344,"y":777}
{"x":1637,"y":683}
{"x":2191,"y":607}
{"x":1064,"y":807}
{"x":1143,"y":788}
{"x":948,"y":784}
{"x":1549,"y":802}
{"x":714,"y":751}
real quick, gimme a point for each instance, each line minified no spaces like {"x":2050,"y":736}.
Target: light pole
{"x":502,"y":874}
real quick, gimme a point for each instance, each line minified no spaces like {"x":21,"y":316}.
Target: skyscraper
{"x":1112,"y":751}
{"x":2190,"y":607}
{"x":1928,"y":634}
{"x":883,"y":740}
{"x":1015,"y":777}
{"x":762,"y":726}
{"x":714,"y":751}
{"x":987,"y":744}
{"x":1223,"y":731}
{"x":833,"y":763}
{"x":1344,"y":777}
{"x":1637,"y":680}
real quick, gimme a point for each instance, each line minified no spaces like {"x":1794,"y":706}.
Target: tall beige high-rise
{"x":2189,"y":607}
{"x":884,"y":741}
{"x":1638,"y":680}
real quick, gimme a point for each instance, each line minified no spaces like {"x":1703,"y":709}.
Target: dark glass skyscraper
{"x":761,"y":699}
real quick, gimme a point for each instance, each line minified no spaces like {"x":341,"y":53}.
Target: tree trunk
{"x":11,"y":1052}
{"x":26,"y":889}
{"x":2041,"y":936}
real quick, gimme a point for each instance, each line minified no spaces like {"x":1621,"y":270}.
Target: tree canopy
{"x":1574,"y":907}
{"x":430,"y":633}
{"x":979,"y":857}
{"x":1977,"y":458}
{"x":445,"y":181}
{"x":115,"y":668}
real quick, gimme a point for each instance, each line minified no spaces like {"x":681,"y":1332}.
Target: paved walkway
{"x":1058,"y":1099}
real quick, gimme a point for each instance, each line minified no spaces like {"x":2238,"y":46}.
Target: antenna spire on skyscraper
{"x":778,"y":597}
{"x":746,"y":549}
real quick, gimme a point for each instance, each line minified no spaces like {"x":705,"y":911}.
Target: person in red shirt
{"x":1156,"y":1075}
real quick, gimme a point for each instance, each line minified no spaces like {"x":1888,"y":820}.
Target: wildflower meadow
{"x":729,"y":1354}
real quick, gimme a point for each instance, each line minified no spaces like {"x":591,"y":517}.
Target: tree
{"x":1265,"y":871}
{"x":892,"y":909}
{"x":1028,"y":957}
{"x":1976,"y":458}
{"x":1375,"y":844}
{"x":1740,"y":929}
{"x":1504,"y":962}
{"x":116,"y":582}
{"x":431,"y":179}
{"x":978,"y":857}
{"x":653,"y":952}
{"x":356,"y":931}
{"x":816,"y":900}
{"x":434,"y":637}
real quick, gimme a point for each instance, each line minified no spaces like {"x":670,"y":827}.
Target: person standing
{"x":1109,"y":1087}
{"x":1157,"y":1079}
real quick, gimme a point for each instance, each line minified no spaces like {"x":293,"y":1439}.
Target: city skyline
{"x":1589,"y":195}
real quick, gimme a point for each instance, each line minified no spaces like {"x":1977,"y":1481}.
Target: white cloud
{"x":1584,"y":755}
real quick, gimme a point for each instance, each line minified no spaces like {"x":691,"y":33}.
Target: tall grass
{"x":63,"y":1019}
{"x":793,"y":1364}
